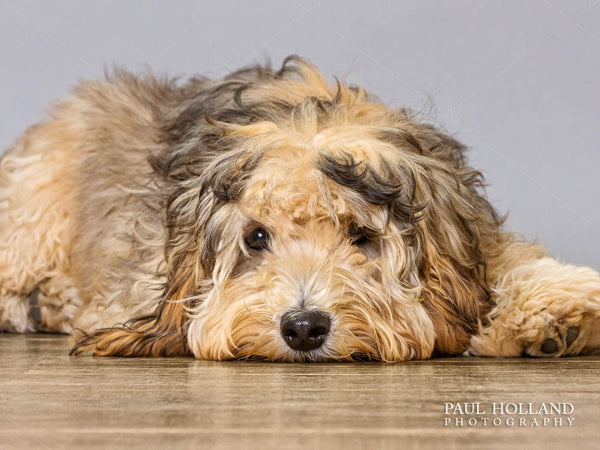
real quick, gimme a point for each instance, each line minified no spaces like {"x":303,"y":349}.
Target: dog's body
{"x":268,"y":215}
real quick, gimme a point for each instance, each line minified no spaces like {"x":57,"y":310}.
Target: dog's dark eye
{"x":257,"y":240}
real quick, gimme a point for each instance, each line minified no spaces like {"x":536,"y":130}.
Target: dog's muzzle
{"x":305,"y":330}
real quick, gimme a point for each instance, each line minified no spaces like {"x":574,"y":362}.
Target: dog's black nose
{"x":305,"y":330}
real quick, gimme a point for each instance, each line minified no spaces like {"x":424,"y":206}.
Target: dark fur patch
{"x":383,"y":190}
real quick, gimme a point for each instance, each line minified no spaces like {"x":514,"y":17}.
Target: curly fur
{"x":127,"y":211}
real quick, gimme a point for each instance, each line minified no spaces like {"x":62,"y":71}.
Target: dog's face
{"x":309,"y":222}
{"x":311,"y":263}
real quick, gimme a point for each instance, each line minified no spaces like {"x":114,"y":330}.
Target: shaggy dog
{"x":269,"y":215}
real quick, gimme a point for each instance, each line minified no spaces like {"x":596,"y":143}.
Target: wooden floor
{"x":51,"y":400}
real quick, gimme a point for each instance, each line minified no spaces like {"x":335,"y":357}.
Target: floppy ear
{"x":164,"y":331}
{"x":195,"y":217}
{"x":453,"y":232}
{"x":455,"y":298}
{"x":458,"y":230}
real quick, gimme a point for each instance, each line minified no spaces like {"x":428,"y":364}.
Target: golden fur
{"x":128,"y":216}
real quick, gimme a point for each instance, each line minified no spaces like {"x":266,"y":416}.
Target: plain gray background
{"x":517,"y":81}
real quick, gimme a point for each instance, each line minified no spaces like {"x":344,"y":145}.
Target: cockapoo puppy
{"x":270,"y":215}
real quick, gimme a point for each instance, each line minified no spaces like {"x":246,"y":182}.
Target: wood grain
{"x":51,"y":400}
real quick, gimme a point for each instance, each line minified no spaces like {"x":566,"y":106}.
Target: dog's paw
{"x":559,"y":338}
{"x":543,"y":309}
{"x":52,"y":310}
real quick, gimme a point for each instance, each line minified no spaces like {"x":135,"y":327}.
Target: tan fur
{"x":537,"y":301}
{"x":126,"y":214}
{"x":36,"y":227}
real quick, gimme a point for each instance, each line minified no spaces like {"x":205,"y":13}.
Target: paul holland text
{"x":509,"y":414}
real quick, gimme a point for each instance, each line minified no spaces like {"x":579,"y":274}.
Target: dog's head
{"x":309,"y":222}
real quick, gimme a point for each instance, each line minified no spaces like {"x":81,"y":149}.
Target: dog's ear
{"x":454,"y":230}
{"x":455,"y":298}
{"x":457,"y":225}
{"x":196,"y":215}
{"x":164,"y":331}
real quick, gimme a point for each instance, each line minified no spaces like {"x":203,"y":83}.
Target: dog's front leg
{"x":543,"y":308}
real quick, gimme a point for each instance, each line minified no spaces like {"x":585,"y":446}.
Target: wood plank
{"x":51,"y":400}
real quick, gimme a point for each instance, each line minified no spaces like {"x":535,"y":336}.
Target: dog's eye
{"x":257,"y":240}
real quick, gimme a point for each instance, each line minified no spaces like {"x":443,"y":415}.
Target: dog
{"x":271,"y":215}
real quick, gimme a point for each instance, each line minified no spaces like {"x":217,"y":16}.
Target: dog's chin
{"x":279,"y":352}
{"x":314,"y":356}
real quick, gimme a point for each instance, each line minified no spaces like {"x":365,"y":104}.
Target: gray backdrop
{"x":518,"y":81}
